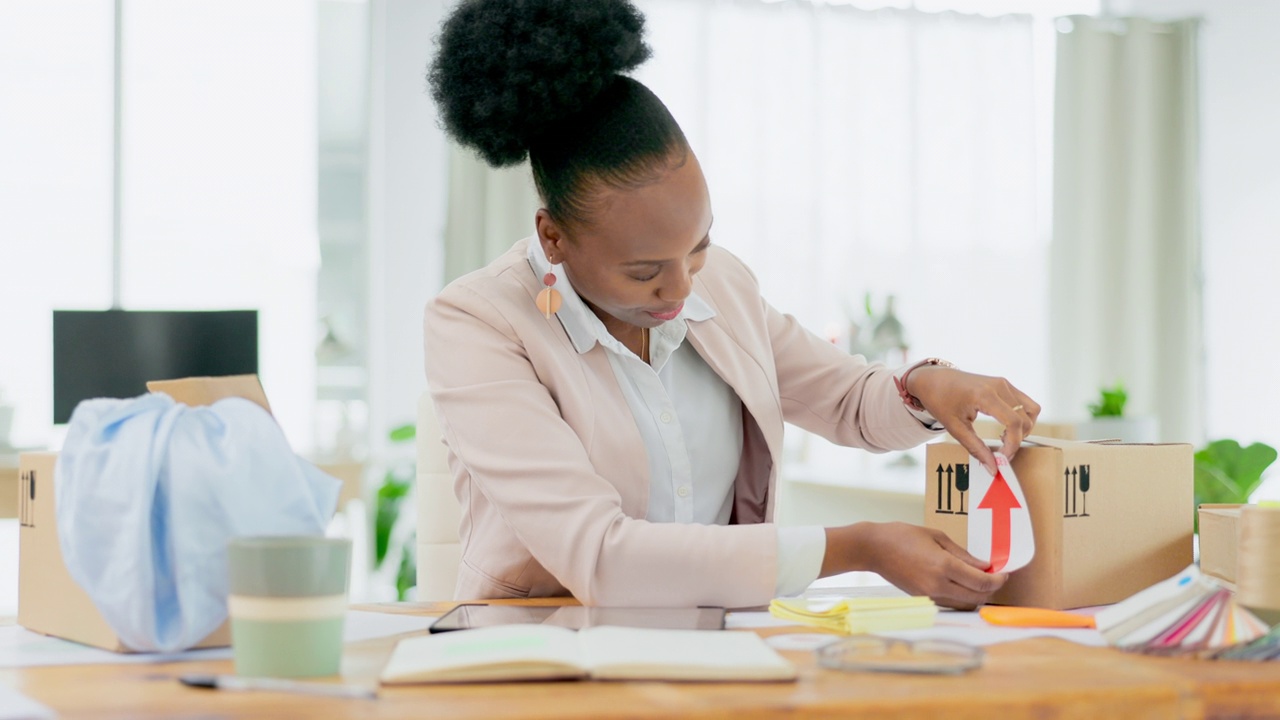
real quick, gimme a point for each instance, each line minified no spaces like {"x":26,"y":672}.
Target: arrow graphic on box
{"x":1000,"y":525}
{"x":1001,"y":501}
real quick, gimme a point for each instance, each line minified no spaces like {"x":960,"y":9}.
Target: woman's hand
{"x":956,"y":397}
{"x":917,"y":560}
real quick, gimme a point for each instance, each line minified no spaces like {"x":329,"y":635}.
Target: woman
{"x":613,"y":389}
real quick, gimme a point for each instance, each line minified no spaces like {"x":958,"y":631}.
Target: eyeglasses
{"x":871,"y":653}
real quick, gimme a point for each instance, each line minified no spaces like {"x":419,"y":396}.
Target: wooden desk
{"x":1031,"y":679}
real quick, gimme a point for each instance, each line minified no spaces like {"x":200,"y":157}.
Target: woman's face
{"x":635,"y":260}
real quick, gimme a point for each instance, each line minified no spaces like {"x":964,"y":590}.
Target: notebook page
{"x":507,"y":652}
{"x":615,"y":653}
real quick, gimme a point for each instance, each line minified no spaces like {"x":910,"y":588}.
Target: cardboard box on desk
{"x":1109,"y":519}
{"x":1219,"y":540}
{"x":49,"y":601}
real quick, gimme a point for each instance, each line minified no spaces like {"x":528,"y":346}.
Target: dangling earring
{"x":549,"y":299}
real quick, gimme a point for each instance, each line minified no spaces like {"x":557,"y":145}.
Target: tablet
{"x":576,"y":617}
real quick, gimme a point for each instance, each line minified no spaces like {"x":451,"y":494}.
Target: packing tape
{"x":1258,"y":559}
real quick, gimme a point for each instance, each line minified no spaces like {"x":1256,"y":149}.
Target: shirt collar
{"x":585,"y":329}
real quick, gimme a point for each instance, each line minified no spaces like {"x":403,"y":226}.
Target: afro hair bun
{"x":508,"y":70}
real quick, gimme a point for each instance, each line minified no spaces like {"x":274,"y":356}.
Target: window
{"x":890,"y":152}
{"x":219,"y":179}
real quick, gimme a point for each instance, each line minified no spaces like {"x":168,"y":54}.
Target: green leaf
{"x":1225,"y":472}
{"x":407,"y":574}
{"x":387,"y":509}
{"x":403,"y":433}
{"x":393,"y":488}
{"x":1111,"y":402}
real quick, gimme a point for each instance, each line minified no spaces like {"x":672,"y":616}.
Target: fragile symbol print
{"x":960,"y":484}
{"x":26,"y":499}
{"x":1000,"y":525}
{"x":1075,"y":491}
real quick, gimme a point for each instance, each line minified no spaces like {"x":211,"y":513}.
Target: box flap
{"x":1061,"y":443}
{"x":1064,"y":444}
{"x":197,"y":391}
{"x":1221,"y":509}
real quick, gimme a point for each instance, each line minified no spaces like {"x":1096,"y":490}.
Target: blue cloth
{"x":149,"y":493}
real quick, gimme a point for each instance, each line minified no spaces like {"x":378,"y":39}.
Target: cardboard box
{"x":49,"y":601}
{"x":1109,"y":519}
{"x":8,"y":491}
{"x":992,"y":430}
{"x":351,"y":473}
{"x":1219,"y":540}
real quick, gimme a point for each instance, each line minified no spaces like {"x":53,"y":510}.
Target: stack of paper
{"x":858,"y":615}
{"x":1188,"y":613}
{"x":1266,"y":647}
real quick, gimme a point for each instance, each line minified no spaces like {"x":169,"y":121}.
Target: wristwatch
{"x":901,"y":382}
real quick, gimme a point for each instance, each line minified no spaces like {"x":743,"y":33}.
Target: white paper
{"x":20,"y":647}
{"x":16,"y":706}
{"x":743,"y":620}
{"x":999,"y":521}
{"x":801,"y":641}
{"x":862,"y":591}
{"x":969,"y":628}
{"x":362,"y":625}
{"x":965,"y":627}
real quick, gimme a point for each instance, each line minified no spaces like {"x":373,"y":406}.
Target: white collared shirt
{"x":690,"y":421}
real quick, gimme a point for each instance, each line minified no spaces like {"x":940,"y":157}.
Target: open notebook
{"x":547,"y":652}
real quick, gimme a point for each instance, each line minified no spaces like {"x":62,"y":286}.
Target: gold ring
{"x":1016,"y":408}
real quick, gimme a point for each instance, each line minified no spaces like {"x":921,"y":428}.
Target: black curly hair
{"x":543,"y":79}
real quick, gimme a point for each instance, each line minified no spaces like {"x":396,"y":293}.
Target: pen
{"x":233,"y":682}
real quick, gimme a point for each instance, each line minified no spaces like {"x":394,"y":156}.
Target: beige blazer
{"x":549,"y":466}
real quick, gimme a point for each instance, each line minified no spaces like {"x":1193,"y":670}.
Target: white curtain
{"x":890,"y":152}
{"x":488,"y":211}
{"x":1126,"y":292}
{"x":849,"y":151}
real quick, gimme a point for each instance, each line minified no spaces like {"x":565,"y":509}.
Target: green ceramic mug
{"x":288,"y":601}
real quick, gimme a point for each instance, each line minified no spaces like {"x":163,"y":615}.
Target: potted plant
{"x":393,"y":529}
{"x":1227,"y":473}
{"x":1109,"y":421}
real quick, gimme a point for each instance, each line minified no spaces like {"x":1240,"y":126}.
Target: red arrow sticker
{"x":1001,"y":501}
{"x":1000,"y":524}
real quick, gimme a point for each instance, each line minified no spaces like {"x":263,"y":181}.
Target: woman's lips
{"x":667,"y":315}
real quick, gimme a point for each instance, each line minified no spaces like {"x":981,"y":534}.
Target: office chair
{"x":439,"y":547}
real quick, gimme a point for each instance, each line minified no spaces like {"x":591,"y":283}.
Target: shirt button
{"x":666,"y":417}
{"x":683,"y":491}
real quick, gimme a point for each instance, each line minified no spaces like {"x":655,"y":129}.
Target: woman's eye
{"x":646,"y":278}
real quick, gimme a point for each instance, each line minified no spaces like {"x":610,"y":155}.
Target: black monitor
{"x":113,"y":353}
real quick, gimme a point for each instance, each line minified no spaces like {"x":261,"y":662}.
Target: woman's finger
{"x":958,"y":596}
{"x":962,"y":431}
{"x":952,"y":547}
{"x":1008,"y":406}
{"x":975,"y":580}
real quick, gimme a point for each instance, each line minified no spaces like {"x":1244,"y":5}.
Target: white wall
{"x":407,"y":194}
{"x":1240,"y":160}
